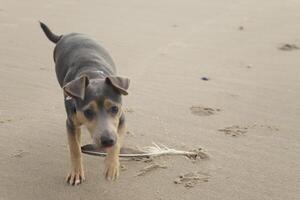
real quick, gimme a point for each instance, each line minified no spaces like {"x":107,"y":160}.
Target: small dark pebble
{"x":205,"y":78}
{"x":241,"y":28}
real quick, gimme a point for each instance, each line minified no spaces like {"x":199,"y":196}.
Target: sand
{"x":166,"y":48}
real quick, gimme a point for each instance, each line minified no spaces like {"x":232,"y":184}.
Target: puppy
{"x":93,"y":98}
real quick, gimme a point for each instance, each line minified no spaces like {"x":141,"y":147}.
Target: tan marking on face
{"x":90,"y":124}
{"x":109,"y":103}
{"x":92,"y":105}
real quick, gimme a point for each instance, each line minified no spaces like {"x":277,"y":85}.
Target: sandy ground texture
{"x":221,"y":75}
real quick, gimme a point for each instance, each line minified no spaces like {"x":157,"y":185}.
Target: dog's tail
{"x":51,"y":36}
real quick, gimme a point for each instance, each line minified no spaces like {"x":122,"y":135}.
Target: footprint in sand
{"x":5,"y":120}
{"x":19,"y":154}
{"x":203,"y":111}
{"x":150,"y":168}
{"x":288,"y":47}
{"x":236,"y":130}
{"x":191,"y":179}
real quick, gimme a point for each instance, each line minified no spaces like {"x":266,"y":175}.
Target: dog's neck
{"x":100,"y":72}
{"x":95,"y":74}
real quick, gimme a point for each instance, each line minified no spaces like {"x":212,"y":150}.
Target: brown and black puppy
{"x":92,"y":96}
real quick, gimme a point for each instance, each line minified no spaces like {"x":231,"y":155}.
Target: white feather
{"x":156,"y":150}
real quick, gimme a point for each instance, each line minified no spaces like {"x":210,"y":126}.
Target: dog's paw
{"x":112,"y":169}
{"x":75,"y":177}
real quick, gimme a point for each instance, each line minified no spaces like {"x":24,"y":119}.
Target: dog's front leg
{"x":112,"y":164}
{"x":76,"y":174}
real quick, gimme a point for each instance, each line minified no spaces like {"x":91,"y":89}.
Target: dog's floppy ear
{"x":76,"y":88}
{"x":121,"y":84}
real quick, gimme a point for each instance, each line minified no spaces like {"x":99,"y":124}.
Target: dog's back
{"x":75,"y":53}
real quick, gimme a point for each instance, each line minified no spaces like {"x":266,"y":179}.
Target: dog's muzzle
{"x":107,"y":139}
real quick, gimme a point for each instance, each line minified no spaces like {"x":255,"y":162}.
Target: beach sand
{"x":207,"y":74}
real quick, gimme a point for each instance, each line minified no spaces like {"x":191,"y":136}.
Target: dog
{"x":92,"y":97}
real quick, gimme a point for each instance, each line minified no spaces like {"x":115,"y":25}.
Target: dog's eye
{"x":114,"y":109}
{"x":88,"y":113}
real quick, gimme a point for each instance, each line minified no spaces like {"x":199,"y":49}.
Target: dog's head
{"x":98,"y":106}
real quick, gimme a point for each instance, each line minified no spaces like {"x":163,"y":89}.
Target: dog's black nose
{"x":107,"y":140}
